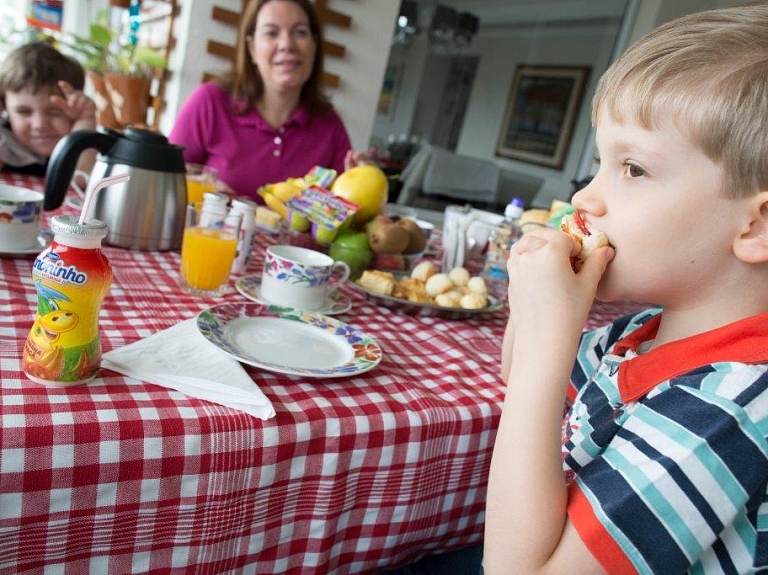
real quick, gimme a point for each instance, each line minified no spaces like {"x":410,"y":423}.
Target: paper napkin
{"x":180,"y":358}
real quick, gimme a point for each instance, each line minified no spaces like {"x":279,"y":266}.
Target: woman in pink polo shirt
{"x":268,"y":118}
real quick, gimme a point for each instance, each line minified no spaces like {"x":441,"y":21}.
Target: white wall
{"x":362,"y":69}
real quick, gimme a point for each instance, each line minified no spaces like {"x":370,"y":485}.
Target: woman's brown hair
{"x":244,"y":82}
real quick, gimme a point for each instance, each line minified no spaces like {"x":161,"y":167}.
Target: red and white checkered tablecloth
{"x":352,"y":475}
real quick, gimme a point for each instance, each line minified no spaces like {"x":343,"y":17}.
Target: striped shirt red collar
{"x":744,"y":341}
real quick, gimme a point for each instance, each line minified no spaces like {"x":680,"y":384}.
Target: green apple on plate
{"x":352,"y":248}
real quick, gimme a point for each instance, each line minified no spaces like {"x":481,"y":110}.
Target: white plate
{"x":44,"y":240}
{"x":269,"y":337}
{"x":250,"y":287}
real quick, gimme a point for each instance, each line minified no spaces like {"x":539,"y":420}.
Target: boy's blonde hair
{"x":708,"y":70}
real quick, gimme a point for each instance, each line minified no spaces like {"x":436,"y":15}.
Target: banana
{"x":284,"y":191}
{"x":273,"y":202}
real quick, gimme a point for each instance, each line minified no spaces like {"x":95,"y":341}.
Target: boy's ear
{"x":751,"y":245}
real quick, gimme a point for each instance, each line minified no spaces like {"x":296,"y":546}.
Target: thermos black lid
{"x":145,"y":149}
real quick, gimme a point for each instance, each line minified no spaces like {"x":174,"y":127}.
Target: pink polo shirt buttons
{"x":278,"y":140}
{"x":276,"y":153}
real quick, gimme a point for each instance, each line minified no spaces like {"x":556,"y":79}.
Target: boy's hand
{"x":544,"y":292}
{"x":77,"y":106}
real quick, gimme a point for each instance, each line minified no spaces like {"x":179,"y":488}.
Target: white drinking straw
{"x":103,"y":183}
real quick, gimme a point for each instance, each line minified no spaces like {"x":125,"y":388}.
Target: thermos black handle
{"x":64,"y":158}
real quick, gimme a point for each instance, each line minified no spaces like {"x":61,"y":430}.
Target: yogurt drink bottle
{"x":71,"y":278}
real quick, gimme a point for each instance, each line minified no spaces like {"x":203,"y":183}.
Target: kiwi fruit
{"x":389,"y":239}
{"x":418,"y":240}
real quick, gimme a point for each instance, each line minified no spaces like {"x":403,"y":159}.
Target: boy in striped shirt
{"x":661,"y":463}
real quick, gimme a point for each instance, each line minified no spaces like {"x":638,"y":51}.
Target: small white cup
{"x":299,"y":277}
{"x":20,"y":210}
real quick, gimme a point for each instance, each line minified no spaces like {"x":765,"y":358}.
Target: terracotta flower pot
{"x":130,"y":97}
{"x":104,"y":114}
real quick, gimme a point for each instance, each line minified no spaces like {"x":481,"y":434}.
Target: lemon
{"x":367,"y":186}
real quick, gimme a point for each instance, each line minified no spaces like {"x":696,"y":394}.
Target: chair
{"x":436,"y":176}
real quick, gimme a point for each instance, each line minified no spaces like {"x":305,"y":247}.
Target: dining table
{"x":358,"y":473}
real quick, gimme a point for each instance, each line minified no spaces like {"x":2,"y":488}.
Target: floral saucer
{"x":250,"y":287}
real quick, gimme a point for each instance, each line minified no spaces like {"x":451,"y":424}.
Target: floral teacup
{"x":299,"y":277}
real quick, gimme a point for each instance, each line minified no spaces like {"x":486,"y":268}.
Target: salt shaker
{"x":247,"y":231}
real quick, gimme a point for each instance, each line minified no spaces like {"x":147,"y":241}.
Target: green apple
{"x":298,"y":221}
{"x":352,"y":247}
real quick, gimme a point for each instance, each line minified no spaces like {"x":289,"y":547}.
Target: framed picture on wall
{"x":541,"y":110}
{"x":389,"y":87}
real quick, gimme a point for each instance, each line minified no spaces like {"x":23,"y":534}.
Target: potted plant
{"x":119,"y":69}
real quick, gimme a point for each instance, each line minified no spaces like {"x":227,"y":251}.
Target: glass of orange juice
{"x":200,"y":179}
{"x":208,"y":250}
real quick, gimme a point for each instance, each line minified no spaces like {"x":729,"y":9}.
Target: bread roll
{"x":455,"y":293}
{"x":473,"y":301}
{"x":438,"y":283}
{"x":588,"y":238}
{"x":446,"y":300}
{"x":377,"y":281}
{"x":423,"y":271}
{"x":459,"y":276}
{"x":412,"y":290}
{"x":477,"y":285}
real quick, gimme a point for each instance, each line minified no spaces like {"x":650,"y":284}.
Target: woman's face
{"x":282,"y":46}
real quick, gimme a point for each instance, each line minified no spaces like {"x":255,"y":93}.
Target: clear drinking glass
{"x":208,"y":250}
{"x":200,"y":179}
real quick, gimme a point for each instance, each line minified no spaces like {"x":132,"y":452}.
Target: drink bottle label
{"x":63,"y":344}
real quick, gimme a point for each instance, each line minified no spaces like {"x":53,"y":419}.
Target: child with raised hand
{"x":661,"y":462}
{"x":42,"y":101}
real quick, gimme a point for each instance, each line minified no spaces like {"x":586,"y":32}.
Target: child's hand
{"x":76,"y":106}
{"x":544,"y":292}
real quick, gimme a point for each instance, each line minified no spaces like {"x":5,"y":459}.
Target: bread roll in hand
{"x":588,"y":238}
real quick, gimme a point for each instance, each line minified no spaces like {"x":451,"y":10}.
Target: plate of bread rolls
{"x":426,"y":291}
